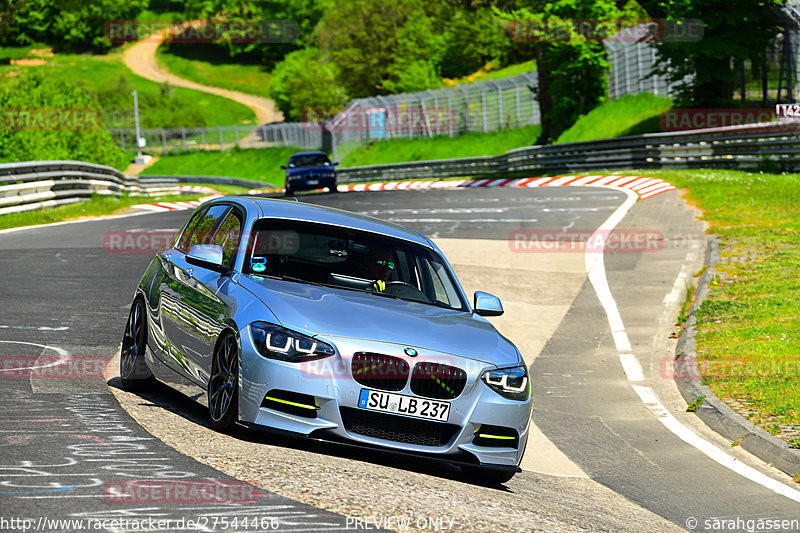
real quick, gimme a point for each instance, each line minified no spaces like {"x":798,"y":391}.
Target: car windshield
{"x":309,"y":160}
{"x":350,"y":259}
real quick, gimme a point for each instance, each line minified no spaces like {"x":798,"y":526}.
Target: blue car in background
{"x":308,"y":171}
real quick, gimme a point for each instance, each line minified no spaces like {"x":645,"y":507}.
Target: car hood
{"x":304,"y":171}
{"x":332,"y":312}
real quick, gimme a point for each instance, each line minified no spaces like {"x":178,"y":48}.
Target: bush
{"x":28,"y":140}
{"x":303,"y":82}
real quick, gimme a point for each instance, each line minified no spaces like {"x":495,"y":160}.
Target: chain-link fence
{"x":484,"y":106}
{"x":631,"y":67}
{"x":300,"y":134}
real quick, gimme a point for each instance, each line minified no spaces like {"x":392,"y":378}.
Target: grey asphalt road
{"x":61,"y":289}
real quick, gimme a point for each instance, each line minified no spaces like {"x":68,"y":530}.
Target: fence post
{"x":236,"y":135}
{"x":483,"y":109}
{"x":253,"y":137}
{"x":450,"y":115}
{"x":122,"y":138}
{"x":203,"y":138}
{"x":163,"y":141}
{"x":221,"y":140}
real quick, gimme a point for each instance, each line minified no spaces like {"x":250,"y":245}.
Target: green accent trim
{"x":287,"y":402}
{"x":501,"y":437}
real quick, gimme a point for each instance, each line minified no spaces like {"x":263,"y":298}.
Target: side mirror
{"x":283,"y":167}
{"x":207,"y":256}
{"x":486,"y":304}
{"x":336,"y":163}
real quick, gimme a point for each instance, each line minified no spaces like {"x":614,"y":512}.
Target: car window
{"x":350,"y":259}
{"x":203,"y":231}
{"x":227,"y":237}
{"x":310,"y":160}
{"x":187,"y":229}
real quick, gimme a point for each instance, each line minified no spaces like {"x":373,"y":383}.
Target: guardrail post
{"x":183,"y":139}
{"x":221,"y":140}
{"x":203,"y":138}
{"x":236,"y":134}
{"x":163,"y":141}
{"x":122,"y":138}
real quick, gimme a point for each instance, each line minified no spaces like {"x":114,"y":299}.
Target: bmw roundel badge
{"x":411,"y":352}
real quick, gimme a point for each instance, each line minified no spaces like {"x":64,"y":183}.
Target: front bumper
{"x":311,"y":182}
{"x":337,"y":416}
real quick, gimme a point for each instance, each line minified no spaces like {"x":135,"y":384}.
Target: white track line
{"x":597,"y":276}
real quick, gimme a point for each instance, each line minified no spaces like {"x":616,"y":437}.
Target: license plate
{"x":312,"y":182}
{"x":400,"y":404}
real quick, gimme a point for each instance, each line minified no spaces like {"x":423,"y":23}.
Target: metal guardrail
{"x":213,"y":180}
{"x":38,"y":184}
{"x":775,"y":146}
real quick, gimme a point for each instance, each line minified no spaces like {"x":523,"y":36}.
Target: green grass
{"x":209,"y":66}
{"x":749,"y":336}
{"x":630,"y":115}
{"x":483,"y":75}
{"x":97,"y":206}
{"x":442,"y":147}
{"x":107,"y":78}
{"x":254,"y":164}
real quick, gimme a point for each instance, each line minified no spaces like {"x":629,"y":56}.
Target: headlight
{"x":275,"y":342}
{"x":511,"y":383}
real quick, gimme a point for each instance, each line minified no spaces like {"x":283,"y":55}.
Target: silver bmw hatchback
{"x":330,"y":325}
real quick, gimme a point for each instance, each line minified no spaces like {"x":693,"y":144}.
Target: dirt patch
{"x":28,"y":62}
{"x":42,"y":52}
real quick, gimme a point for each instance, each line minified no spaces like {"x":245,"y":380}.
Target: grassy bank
{"x":632,"y":114}
{"x":256,"y":164}
{"x":97,"y":206}
{"x":442,"y":147}
{"x":748,"y":339}
{"x":108,"y":79}
{"x":207,"y":65}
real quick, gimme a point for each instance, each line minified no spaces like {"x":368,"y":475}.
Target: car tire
{"x":133,"y":369}
{"x":288,"y":192}
{"x":333,"y":188}
{"x":223,"y":385}
{"x":487,"y":476}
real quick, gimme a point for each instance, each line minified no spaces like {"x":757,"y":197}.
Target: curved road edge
{"x":713,"y":411}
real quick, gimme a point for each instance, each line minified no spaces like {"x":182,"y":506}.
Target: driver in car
{"x":379,"y":267}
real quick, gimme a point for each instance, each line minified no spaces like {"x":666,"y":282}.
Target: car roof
{"x":309,"y":153}
{"x":292,"y":210}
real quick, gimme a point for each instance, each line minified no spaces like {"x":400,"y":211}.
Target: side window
{"x":187,"y":230}
{"x":203,"y":231}
{"x":227,"y":236}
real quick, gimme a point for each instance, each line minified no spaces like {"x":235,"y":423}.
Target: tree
{"x":375,"y":43}
{"x":472,"y":39}
{"x":571,"y":65}
{"x":69,"y":24}
{"x":291,"y":24}
{"x":734,"y":31}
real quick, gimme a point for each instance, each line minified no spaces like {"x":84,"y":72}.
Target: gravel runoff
{"x":368,"y":484}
